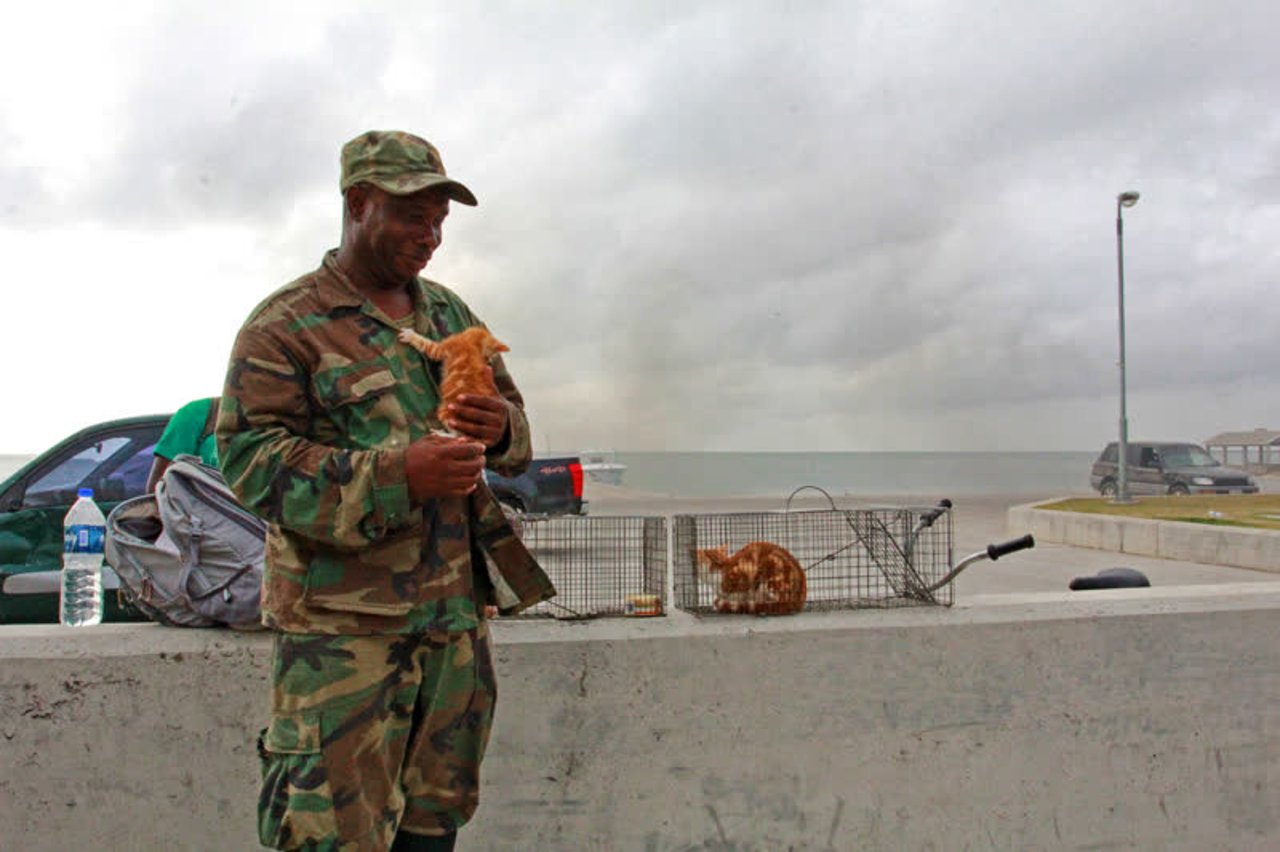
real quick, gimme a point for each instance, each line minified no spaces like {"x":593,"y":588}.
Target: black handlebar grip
{"x":995,"y":551}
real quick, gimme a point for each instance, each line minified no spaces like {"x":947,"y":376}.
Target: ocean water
{"x":935,"y":474}
{"x":866,"y":473}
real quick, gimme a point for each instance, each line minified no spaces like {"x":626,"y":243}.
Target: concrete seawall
{"x":1131,"y":718}
{"x":1239,"y":547}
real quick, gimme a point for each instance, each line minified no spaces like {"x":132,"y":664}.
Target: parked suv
{"x":1169,"y":467}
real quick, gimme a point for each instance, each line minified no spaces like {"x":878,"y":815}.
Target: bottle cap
{"x":85,"y":492}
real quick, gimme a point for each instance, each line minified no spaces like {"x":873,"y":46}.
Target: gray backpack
{"x":189,"y":555}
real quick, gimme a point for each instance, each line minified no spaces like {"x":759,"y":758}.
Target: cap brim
{"x":409,"y":184}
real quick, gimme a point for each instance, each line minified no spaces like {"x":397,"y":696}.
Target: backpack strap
{"x":191,"y":565}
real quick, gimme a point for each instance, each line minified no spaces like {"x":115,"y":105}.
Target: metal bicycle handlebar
{"x":992,"y":552}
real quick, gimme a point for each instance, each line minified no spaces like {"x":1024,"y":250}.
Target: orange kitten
{"x":465,"y":357}
{"x":761,"y":578}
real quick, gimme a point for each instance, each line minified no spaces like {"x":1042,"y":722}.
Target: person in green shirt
{"x":189,"y":431}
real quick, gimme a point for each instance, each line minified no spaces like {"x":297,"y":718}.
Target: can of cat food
{"x":642,"y":605}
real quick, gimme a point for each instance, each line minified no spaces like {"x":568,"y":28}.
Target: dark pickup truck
{"x":113,"y":459}
{"x":550,"y":486}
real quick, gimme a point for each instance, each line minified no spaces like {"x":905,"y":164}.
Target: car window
{"x":1110,"y":454}
{"x":1188,"y":456}
{"x":51,"y":488}
{"x":130,"y":478}
{"x":116,"y":468}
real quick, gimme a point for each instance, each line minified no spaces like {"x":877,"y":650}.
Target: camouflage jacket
{"x":320,"y":403}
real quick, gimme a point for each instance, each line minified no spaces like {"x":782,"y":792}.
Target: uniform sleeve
{"x":341,"y":497}
{"x":511,"y":455}
{"x":182,"y":433}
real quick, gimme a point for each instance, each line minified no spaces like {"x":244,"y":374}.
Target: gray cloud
{"x":25,"y":201}
{"x":722,"y":224}
{"x":212,"y":140}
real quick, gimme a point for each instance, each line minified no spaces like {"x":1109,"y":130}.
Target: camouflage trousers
{"x":373,"y":734}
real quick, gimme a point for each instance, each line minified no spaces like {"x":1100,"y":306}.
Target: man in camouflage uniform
{"x":384,"y":546}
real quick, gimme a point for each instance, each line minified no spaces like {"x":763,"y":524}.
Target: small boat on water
{"x":602,"y":466}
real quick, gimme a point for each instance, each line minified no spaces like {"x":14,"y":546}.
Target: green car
{"x":112,"y":458}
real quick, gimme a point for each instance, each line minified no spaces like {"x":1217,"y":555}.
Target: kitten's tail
{"x":427,"y":347}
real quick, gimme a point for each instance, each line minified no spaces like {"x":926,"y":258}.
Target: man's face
{"x":402,"y":232}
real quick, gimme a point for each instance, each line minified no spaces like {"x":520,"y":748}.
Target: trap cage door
{"x":907,"y":548}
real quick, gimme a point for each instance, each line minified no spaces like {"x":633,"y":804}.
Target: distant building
{"x":1257,"y":449}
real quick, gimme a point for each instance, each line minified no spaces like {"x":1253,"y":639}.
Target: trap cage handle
{"x":821,"y":491}
{"x":992,"y":552}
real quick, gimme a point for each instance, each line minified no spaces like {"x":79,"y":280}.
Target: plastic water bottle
{"x":84,"y":532}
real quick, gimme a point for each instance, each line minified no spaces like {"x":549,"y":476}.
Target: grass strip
{"x":1260,"y":511}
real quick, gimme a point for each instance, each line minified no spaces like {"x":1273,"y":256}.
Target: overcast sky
{"x":731,"y":225}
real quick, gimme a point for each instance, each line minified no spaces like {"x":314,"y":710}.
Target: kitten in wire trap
{"x":761,"y":578}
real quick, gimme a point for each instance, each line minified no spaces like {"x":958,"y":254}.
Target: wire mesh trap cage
{"x":849,"y":558}
{"x":601,"y":565}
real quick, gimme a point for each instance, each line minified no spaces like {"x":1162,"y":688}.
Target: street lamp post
{"x":1123,"y":200}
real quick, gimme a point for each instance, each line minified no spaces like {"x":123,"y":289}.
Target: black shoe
{"x":406,"y":842}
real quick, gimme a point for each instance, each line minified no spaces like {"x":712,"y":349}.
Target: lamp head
{"x":1127,"y":199}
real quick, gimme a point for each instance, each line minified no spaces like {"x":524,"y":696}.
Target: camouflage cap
{"x":399,"y":163}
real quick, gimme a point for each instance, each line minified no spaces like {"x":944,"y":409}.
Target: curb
{"x":1206,"y":545}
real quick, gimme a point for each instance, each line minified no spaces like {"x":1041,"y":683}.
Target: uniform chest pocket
{"x":360,"y":407}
